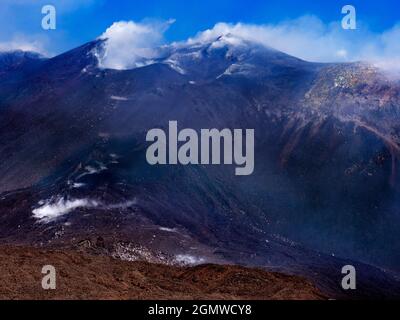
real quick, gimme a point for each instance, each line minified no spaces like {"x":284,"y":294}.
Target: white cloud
{"x":306,"y":37}
{"x":310,"y":39}
{"x":24,"y":44}
{"x":130,"y":44}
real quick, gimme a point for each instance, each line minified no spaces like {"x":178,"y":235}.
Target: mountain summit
{"x":325,"y":188}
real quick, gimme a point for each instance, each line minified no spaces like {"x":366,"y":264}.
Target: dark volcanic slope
{"x":72,"y":154}
{"x":83,"y":276}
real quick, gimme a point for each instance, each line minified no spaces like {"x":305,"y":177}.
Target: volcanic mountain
{"x":324,"y":192}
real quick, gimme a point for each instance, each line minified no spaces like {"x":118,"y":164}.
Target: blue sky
{"x":79,"y":21}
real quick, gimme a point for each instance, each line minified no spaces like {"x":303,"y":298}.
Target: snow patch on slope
{"x":118,"y":98}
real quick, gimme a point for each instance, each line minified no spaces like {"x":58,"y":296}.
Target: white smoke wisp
{"x":56,"y":207}
{"x":130,"y":44}
{"x":51,"y":210}
{"x":188,"y":260}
